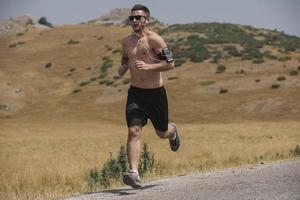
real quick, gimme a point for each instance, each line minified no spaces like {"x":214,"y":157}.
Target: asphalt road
{"x":272,"y":181}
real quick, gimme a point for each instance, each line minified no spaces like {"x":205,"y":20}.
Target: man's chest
{"x":139,"y":49}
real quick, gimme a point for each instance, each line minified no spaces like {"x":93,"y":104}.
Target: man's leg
{"x":132,"y":178}
{"x":170,"y":133}
{"x":133,"y":147}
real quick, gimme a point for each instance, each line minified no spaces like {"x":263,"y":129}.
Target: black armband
{"x":166,"y":54}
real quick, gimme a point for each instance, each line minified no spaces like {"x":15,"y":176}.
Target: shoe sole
{"x":129,"y":180}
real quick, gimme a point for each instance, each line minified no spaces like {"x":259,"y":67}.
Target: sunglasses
{"x":136,"y":17}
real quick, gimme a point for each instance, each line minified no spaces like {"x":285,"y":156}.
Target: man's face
{"x":138,"y":20}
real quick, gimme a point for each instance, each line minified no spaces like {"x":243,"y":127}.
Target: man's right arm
{"x":124,"y":62}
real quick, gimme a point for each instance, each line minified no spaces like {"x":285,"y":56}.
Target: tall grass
{"x":51,"y":159}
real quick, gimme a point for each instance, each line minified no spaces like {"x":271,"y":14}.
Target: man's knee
{"x":134,"y":131}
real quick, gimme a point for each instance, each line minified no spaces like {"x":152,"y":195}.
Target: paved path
{"x":274,"y":181}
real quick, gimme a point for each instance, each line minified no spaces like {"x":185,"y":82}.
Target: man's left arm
{"x":158,"y":44}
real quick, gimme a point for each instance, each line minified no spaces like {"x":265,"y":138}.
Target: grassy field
{"x":51,"y":159}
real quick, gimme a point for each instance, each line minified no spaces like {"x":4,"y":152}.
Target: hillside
{"x":225,"y":72}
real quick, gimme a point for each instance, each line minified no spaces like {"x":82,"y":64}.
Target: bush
{"x":293,"y":73}
{"x":12,"y":45}
{"x":221,"y":69}
{"x":258,"y":60}
{"x":296,"y":151}
{"x":208,"y":82}
{"x":114,"y":168}
{"x":77,"y":90}
{"x":48,"y":65}
{"x":275,"y":86}
{"x":179,"y":62}
{"x":281,"y":78}
{"x":107,"y":63}
{"x":73,"y":42}
{"x":126,"y":81}
{"x":44,"y":21}
{"x":172,"y":78}
{"x":223,"y":90}
{"x":84,"y":83}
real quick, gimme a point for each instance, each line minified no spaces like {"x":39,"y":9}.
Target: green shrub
{"x":102,"y":82}
{"x":73,"y":42}
{"x":72,"y":69}
{"x":29,"y":22}
{"x":208,"y":82}
{"x":296,"y":152}
{"x":84,"y":83}
{"x":223,"y":90}
{"x":114,"y":168}
{"x":118,"y":50}
{"x":12,"y":45}
{"x":93,"y":79}
{"x":221,"y":69}
{"x":107,"y":63}
{"x":77,"y":90}
{"x":275,"y":86}
{"x":103,"y":75}
{"x":293,"y":73}
{"x":44,"y":21}
{"x":232,"y":51}
{"x":126,"y":81}
{"x":48,"y":65}
{"x":258,"y":60}
{"x":284,"y":58}
{"x":146,"y":161}
{"x":179,"y":62}
{"x":281,"y":78}
{"x":172,"y":78}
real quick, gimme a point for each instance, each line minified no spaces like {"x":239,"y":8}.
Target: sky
{"x":282,"y":15}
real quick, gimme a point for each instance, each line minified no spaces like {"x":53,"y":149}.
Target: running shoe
{"x":132,"y":179}
{"x":175,"y":144}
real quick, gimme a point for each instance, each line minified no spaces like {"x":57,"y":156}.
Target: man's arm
{"x":124,"y":62}
{"x":157,"y":44}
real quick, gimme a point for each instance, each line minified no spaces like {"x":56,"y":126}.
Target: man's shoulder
{"x":154,"y":36}
{"x":155,"y":39}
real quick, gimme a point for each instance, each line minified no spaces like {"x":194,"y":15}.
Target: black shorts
{"x":144,"y":104}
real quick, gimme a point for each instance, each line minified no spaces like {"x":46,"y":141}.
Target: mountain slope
{"x":224,"y":72}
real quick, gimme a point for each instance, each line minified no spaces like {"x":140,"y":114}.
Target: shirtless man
{"x":146,"y":55}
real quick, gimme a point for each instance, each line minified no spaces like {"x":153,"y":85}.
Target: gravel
{"x":274,"y":181}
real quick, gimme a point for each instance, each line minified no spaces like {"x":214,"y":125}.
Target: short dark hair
{"x":141,"y":7}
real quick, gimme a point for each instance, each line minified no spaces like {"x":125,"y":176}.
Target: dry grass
{"x":46,"y":160}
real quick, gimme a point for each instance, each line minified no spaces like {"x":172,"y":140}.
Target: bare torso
{"x":140,"y":49}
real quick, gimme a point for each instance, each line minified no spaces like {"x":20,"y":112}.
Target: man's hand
{"x":122,"y":70}
{"x":142,"y":65}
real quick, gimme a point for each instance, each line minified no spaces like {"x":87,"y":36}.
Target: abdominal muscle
{"x":145,"y":79}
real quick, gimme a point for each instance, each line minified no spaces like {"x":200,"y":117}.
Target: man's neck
{"x":142,"y":33}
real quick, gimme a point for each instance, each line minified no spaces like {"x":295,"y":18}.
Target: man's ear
{"x":147,"y":20}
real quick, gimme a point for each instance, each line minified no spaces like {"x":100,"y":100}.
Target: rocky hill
{"x":20,"y":24}
{"x":224,"y":72}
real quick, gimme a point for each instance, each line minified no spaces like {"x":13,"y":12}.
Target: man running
{"x":146,"y":55}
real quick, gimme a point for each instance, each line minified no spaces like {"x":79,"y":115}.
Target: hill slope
{"x":224,"y":73}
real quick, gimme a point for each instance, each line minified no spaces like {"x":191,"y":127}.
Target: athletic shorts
{"x":143,"y":104}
